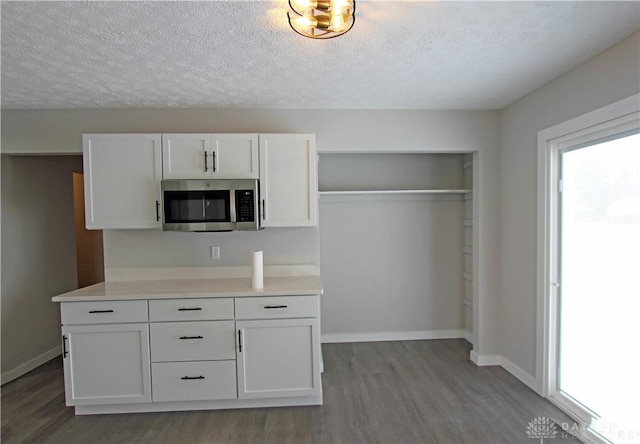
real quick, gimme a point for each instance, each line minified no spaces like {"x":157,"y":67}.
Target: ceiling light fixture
{"x":322,"y":19}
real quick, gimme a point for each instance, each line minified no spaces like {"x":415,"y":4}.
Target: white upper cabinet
{"x":288,"y":180}
{"x":122,"y":180}
{"x":186,"y":156}
{"x":236,"y":156}
{"x":210,"y":156}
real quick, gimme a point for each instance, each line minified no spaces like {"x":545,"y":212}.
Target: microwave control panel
{"x":245,"y":206}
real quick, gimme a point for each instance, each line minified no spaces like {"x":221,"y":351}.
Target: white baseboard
{"x":392,"y":336}
{"x":468,"y":336}
{"x":484,"y":360}
{"x":521,"y":375}
{"x":26,"y":367}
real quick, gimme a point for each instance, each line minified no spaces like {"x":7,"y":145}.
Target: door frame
{"x":619,"y":117}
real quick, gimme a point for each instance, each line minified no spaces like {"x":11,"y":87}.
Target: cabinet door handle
{"x":187,"y":378}
{"x":264,"y":211}
{"x":100,"y":311}
{"x":191,"y":337}
{"x":65,"y":352}
{"x":269,"y":307}
{"x":240,"y":341}
{"x":157,"y":210}
{"x":190,"y":309}
{"x":213,"y":157}
{"x":205,"y":161}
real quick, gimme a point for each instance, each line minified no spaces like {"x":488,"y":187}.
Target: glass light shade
{"x":321,"y":19}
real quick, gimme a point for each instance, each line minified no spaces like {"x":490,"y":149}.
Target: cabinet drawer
{"x":190,"y":309}
{"x":103,"y":312}
{"x":192,"y":341}
{"x":190,"y":381}
{"x":277,"y":307}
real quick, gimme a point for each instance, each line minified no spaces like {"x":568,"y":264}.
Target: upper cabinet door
{"x":187,"y":156}
{"x":288,"y":180}
{"x":235,"y":156}
{"x":122,"y":180}
{"x":210,"y":156}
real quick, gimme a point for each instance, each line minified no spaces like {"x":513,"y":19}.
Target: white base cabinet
{"x":194,"y":381}
{"x":191,"y":353}
{"x":106,"y":364}
{"x":278,"y":358}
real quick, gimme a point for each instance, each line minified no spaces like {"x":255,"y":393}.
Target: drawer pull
{"x":187,"y":378}
{"x":100,"y":311}
{"x":190,"y":309}
{"x":269,"y":307}
{"x":191,"y":337}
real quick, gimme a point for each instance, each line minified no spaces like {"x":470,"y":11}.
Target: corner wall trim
{"x":393,"y":336}
{"x":508,"y":365}
{"x":26,"y":367}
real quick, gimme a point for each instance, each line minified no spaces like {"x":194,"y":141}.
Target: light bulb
{"x":337,"y":22}
{"x":339,"y":5}
{"x":302,"y":6}
{"x":305,"y":21}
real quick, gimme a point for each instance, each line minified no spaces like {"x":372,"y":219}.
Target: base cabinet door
{"x":106,"y":364}
{"x":278,"y":358}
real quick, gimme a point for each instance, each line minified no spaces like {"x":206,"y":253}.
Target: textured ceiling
{"x":242,"y":54}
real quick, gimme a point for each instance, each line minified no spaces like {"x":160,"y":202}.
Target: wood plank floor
{"x":376,"y":392}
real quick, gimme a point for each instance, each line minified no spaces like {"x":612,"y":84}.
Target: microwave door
{"x":216,"y":207}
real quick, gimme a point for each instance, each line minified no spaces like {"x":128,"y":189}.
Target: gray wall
{"x":392,"y":265}
{"x":607,"y":78}
{"x":59,"y":131}
{"x":38,"y":254}
{"x":154,"y":248}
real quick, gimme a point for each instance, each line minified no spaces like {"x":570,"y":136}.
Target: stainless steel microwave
{"x":210,"y":205}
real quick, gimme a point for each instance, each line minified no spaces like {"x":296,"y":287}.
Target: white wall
{"x":607,"y":78}
{"x":38,"y":256}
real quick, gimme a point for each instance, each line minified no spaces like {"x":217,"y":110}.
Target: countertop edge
{"x":237,"y":287}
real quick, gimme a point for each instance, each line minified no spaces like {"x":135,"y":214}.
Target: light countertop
{"x":192,"y":288}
